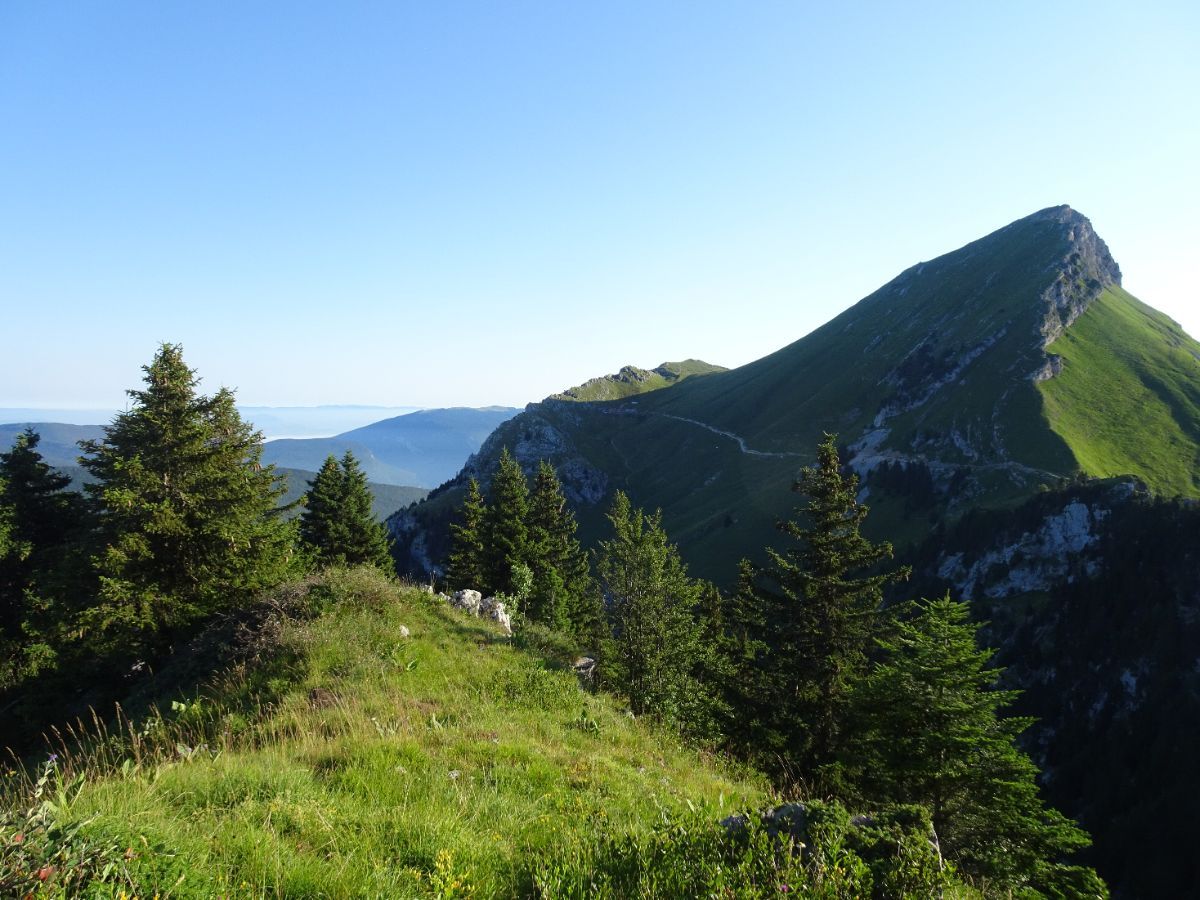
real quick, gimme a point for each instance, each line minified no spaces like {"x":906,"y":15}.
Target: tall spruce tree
{"x":818,"y":603}
{"x":188,"y":517}
{"x":652,"y":608}
{"x":337,"y":524}
{"x":505,"y":526}
{"x":39,"y":570}
{"x":561,"y":576}
{"x":321,"y":526}
{"x":933,"y":734}
{"x":465,"y":568}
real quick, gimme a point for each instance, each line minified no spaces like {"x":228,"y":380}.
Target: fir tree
{"x":651,"y":603}
{"x":465,"y":566}
{"x":39,"y":566}
{"x":367,"y":541}
{"x":188,"y":518}
{"x":934,"y":735}
{"x":321,"y":525}
{"x":42,"y":517}
{"x":505,"y":526}
{"x":560,"y":569}
{"x":819,"y":606}
{"x":337,"y":524}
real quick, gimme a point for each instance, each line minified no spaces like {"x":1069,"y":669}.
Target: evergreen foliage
{"x":934,"y":736}
{"x":39,"y":521}
{"x":465,"y":566}
{"x":561,"y":579}
{"x":337,"y":524}
{"x":651,"y":603}
{"x":187,"y":517}
{"x":505,"y":526}
{"x":817,"y":606}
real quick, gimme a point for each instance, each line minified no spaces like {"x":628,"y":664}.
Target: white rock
{"x":467,"y":600}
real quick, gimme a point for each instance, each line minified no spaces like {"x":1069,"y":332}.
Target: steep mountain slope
{"x":631,"y":380}
{"x":1093,"y":595}
{"x":422,"y":448}
{"x":952,"y":369}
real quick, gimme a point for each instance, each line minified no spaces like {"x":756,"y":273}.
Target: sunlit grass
{"x":382,"y":766}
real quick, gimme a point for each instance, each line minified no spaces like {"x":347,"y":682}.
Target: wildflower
{"x":45,"y":872}
{"x":19,"y":838}
{"x":52,"y":758}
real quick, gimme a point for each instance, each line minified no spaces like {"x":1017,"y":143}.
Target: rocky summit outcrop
{"x":474,"y":603}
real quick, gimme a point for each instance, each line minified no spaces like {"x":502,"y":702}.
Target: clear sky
{"x":450,"y":203}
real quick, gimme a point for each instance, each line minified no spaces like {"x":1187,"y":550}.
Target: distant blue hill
{"x":421,"y":448}
{"x":59,"y":445}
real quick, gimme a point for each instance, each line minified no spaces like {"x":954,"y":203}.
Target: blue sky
{"x":472,"y":203}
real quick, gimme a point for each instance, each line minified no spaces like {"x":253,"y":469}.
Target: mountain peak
{"x":1085,"y":270}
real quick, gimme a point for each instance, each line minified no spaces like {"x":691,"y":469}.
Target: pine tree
{"x":651,"y":604}
{"x":820,"y":609}
{"x":505,"y":528}
{"x":465,"y":566}
{"x":43,"y":518}
{"x":43,"y":523}
{"x":933,"y":735}
{"x":188,"y":518}
{"x":337,"y":524}
{"x":367,"y":539}
{"x":561,"y":578}
{"x":321,"y":525}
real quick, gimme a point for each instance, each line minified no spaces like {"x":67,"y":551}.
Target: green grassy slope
{"x":942,"y":367}
{"x":1127,"y":400}
{"x":385,"y":766}
{"x":631,"y":381}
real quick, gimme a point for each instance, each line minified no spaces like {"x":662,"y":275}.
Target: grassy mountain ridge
{"x":1127,"y":397}
{"x":631,"y":381}
{"x":955,"y":366}
{"x":344,"y":758}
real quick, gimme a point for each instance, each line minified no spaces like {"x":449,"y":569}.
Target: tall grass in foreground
{"x":340,"y":759}
{"x":336,"y":758}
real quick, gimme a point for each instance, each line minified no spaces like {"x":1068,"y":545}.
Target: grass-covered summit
{"x":1011,"y":364}
{"x":357,"y":738}
{"x":631,"y":381}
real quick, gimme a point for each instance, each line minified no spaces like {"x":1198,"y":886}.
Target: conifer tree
{"x":337,"y":524}
{"x":39,"y":563}
{"x":321,"y":526}
{"x":367,"y":539}
{"x":505,"y":526}
{"x":560,"y":568}
{"x":933,"y":735}
{"x":188,"y":517}
{"x":465,"y":566}
{"x":652,"y":604}
{"x":819,"y":602}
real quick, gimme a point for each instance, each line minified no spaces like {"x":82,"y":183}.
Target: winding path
{"x":741,"y":442}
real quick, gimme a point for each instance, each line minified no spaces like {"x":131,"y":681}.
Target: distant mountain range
{"x":422,"y":448}
{"x":59,"y":447}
